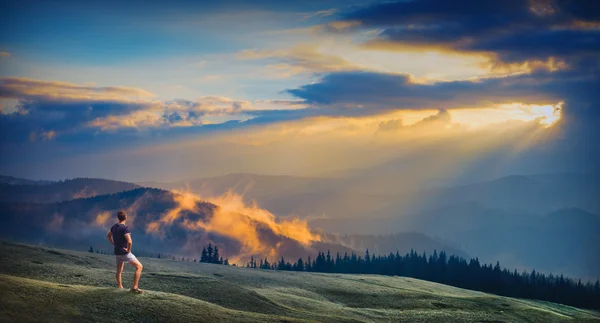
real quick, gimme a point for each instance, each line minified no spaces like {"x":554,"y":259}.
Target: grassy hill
{"x":59,"y":285}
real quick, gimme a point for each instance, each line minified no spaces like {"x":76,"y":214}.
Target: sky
{"x":167,"y":91}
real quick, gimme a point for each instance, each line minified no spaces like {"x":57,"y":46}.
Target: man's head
{"x":122,"y":216}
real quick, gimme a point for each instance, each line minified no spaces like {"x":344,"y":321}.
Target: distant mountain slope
{"x":61,"y":190}
{"x":85,"y":221}
{"x":401,"y":242}
{"x":536,"y":193}
{"x":563,"y":241}
{"x":10,"y":180}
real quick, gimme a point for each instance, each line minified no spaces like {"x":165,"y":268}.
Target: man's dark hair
{"x":121,"y":215}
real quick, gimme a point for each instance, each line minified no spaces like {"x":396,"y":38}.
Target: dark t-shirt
{"x":119,"y":231}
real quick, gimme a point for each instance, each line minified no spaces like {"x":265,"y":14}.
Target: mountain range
{"x":545,"y":222}
{"x":82,"y":222}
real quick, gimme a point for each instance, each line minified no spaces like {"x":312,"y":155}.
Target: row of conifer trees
{"x":451,"y":270}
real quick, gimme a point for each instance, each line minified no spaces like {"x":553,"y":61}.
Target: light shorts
{"x":128,"y":258}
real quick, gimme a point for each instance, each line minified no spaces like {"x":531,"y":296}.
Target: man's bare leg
{"x":118,"y":276}
{"x":138,"y":272}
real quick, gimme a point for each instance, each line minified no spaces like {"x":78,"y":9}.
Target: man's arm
{"x":110,"y":238}
{"x":129,"y":242}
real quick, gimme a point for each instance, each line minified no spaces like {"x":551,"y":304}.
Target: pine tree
{"x":204,"y":255}
{"x":91,"y":249}
{"x":281,"y":264}
{"x":215,"y":257}
{"x":328,"y":263}
{"x":209,"y":253}
{"x":265,"y":264}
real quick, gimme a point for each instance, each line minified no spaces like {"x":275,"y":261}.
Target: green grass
{"x":41,"y":284}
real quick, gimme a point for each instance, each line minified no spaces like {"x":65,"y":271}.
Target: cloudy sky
{"x":174,"y":90}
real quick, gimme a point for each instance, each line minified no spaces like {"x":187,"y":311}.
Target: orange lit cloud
{"x":42,"y":135}
{"x":15,"y":87}
{"x":174,"y":113}
{"x":102,"y":218}
{"x":48,"y":135}
{"x":488,"y":61}
{"x":234,"y":219}
{"x":135,"y":119}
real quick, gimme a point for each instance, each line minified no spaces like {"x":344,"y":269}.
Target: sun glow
{"x":546,"y":115}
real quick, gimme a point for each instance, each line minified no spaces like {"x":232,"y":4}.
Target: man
{"x":120,"y":237}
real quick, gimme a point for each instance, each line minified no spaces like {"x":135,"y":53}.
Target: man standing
{"x":120,"y":237}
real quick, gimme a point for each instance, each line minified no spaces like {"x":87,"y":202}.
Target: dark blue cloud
{"x":376,"y":91}
{"x":541,"y":45}
{"x":518,"y":30}
{"x":174,"y":117}
{"x":58,"y":115}
{"x":482,"y":14}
